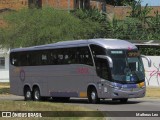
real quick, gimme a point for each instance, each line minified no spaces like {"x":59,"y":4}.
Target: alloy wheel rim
{"x":93,"y":95}
{"x":28,"y":94}
{"x":36,"y":95}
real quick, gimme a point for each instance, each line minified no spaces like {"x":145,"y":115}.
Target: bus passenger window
{"x":53,"y":57}
{"x":84,"y":56}
{"x":44,"y":59}
{"x":14,"y":61}
{"x":66,"y":59}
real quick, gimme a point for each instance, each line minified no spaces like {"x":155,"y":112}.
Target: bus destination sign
{"x":133,"y":54}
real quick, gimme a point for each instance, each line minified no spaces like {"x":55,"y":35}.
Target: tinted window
{"x":97,"y":50}
{"x":84,"y":56}
{"x":102,"y":68}
{"x":79,"y":55}
{"x":15,"y":59}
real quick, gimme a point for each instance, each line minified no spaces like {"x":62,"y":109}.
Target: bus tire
{"x":124,"y":100}
{"x":27,"y":94}
{"x":93,"y":96}
{"x":36,"y":94}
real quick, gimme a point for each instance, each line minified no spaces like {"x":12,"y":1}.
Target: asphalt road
{"x":141,"y":104}
{"x":132,"y":105}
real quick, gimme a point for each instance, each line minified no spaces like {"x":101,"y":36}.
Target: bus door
{"x":104,"y":76}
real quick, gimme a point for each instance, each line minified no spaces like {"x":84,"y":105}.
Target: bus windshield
{"x":127,"y":66}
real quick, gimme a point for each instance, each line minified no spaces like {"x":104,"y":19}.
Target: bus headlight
{"x":141,"y":85}
{"x":116,"y":87}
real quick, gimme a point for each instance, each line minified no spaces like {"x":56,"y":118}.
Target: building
{"x":119,"y":12}
{"x":13,"y":4}
{"x":59,"y":4}
{"x":4,"y":65}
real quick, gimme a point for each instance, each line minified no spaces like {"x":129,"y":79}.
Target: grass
{"x":153,"y":92}
{"x":45,"y":106}
{"x":37,"y":106}
{"x":4,"y":88}
{"x":4,"y":91}
{"x":42,"y":106}
{"x":4,"y":84}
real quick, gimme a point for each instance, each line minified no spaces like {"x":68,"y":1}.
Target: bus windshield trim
{"x":109,"y":59}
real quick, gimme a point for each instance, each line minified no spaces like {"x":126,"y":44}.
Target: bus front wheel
{"x":36,"y":94}
{"x":93,"y":96}
{"x":27,"y":94}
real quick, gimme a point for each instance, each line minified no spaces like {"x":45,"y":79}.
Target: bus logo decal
{"x":22,"y":75}
{"x":83,"y":70}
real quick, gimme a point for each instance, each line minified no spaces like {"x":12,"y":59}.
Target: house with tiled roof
{"x":119,"y":12}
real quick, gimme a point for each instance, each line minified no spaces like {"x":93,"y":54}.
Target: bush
{"x":30,"y":27}
{"x":92,"y":14}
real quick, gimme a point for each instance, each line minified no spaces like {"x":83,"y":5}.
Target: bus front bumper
{"x":128,"y":93}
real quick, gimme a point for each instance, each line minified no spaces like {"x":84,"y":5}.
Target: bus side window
{"x":33,"y":58}
{"x":24,"y":59}
{"x":97,"y":50}
{"x":102,"y":68}
{"x":14,"y":59}
{"x":85,"y":56}
{"x":72,"y":56}
{"x":66,"y":56}
{"x":19,"y":59}
{"x":53,"y":60}
{"x":60,"y":57}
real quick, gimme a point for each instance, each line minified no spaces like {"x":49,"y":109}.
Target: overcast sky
{"x":151,"y":2}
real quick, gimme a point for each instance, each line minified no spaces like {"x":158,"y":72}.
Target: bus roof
{"x":106,"y":43}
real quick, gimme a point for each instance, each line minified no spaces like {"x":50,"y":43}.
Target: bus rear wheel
{"x":93,"y":96}
{"x":27,"y":94}
{"x":36,"y":94}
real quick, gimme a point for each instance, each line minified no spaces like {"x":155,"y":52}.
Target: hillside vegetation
{"x":30,"y":27}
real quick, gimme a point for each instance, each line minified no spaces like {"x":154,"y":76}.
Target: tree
{"x":142,"y":13}
{"x":30,"y":27}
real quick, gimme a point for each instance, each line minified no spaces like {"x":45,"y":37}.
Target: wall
{"x":120,"y":12}
{"x":13,"y":4}
{"x":4,"y":76}
{"x":152,"y":73}
{"x":99,"y":4}
{"x":4,"y":73}
{"x":59,"y":4}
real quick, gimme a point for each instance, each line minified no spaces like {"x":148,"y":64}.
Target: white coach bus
{"x":94,"y":69}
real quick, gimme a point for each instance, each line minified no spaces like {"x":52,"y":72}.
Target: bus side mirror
{"x":109,"y":59}
{"x":148,"y":59}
